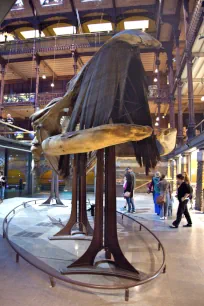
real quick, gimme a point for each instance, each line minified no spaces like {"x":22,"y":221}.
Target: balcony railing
{"x":22,"y":98}
{"x":45,"y":97}
{"x":199,"y":128}
{"x":162,"y":95}
{"x":29,"y":98}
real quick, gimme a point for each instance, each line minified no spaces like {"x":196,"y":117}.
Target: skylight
{"x":100,"y":27}
{"x":18,"y":5}
{"x":31,"y":34}
{"x":65,"y":30}
{"x":50,"y":2}
{"x":6,"y":37}
{"x":91,"y":1}
{"x":137,"y":24}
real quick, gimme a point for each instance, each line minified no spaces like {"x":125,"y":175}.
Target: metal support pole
{"x":191,"y":123}
{"x":158,"y":89}
{"x":29,"y":174}
{"x":171,"y":84}
{"x":74,"y":56}
{"x":180,"y":113}
{"x":2,"y":88}
{"x":179,"y":88}
{"x":37,"y":83}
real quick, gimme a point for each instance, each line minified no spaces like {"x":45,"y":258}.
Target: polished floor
{"x":23,"y":285}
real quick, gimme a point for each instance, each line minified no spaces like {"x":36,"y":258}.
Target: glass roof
{"x":50,"y":2}
{"x":100,"y":27}
{"x":65,"y":30}
{"x":137,"y":24}
{"x":31,"y":34}
{"x":91,"y":1}
{"x":18,"y":5}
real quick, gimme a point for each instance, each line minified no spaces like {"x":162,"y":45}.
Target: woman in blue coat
{"x":156,"y":191}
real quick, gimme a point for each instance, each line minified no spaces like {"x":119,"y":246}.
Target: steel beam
{"x":69,"y":15}
{"x":160,"y":4}
{"x":193,"y":29}
{"x":17,"y":72}
{"x":6,"y":6}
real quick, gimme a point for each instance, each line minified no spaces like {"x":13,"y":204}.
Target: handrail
{"x":55,"y":274}
{"x":15,"y":126}
{"x":202,"y":121}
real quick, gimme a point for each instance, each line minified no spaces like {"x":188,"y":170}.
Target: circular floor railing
{"x":54,"y":274}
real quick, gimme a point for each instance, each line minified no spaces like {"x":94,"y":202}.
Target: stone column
{"x":170,"y":172}
{"x":2,"y":87}
{"x":191,"y":123}
{"x":174,"y":173}
{"x":185,"y":163}
{"x":200,"y":181}
{"x":37,"y":68}
{"x":171,"y":83}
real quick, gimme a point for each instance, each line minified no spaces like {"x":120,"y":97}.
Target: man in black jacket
{"x":183,"y":195}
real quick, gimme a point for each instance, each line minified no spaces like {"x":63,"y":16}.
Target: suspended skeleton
{"x":107,"y":105}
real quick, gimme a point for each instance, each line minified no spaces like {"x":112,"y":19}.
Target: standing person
{"x":124,"y":188}
{"x":20,"y":187}
{"x":183,"y":194}
{"x":187,"y":181}
{"x":128,"y":191}
{"x":9,"y":119}
{"x":165,"y":192}
{"x":156,"y":191}
{"x":2,"y":185}
{"x":133,"y":177}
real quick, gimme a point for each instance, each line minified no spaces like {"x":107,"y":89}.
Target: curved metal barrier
{"x":54,"y":274}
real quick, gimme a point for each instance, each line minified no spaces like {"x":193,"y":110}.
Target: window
{"x":100,"y":27}
{"x":50,"y":2}
{"x":137,"y":24}
{"x":18,"y":5}
{"x":65,"y":30}
{"x":6,"y":37}
{"x":31,"y":34}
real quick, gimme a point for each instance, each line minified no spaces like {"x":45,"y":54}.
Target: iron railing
{"x":57,"y":275}
{"x":29,"y":98}
{"x":199,"y":128}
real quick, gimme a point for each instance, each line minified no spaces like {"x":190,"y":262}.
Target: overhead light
{"x":156,"y":123}
{"x":32,"y":34}
{"x":44,"y":76}
{"x":52,"y":84}
{"x":157,"y":119}
{"x":155,"y":80}
{"x":137,"y":24}
{"x":156,"y":70}
{"x":202,"y":98}
{"x":100,"y":27}
{"x":65,"y":30}
{"x":163,"y":117}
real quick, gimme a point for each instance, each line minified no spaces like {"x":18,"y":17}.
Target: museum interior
{"x":101,"y":110}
